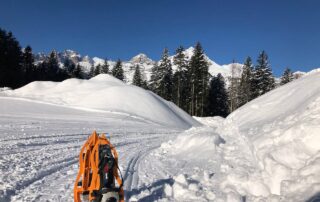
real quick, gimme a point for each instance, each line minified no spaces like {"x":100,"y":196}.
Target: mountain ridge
{"x":144,"y":62}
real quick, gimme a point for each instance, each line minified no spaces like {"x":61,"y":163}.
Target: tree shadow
{"x":314,"y":198}
{"x":156,"y":190}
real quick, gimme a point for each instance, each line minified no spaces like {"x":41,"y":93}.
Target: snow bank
{"x":213,"y":122}
{"x":194,"y":144}
{"x":107,"y":93}
{"x":282,"y":129}
{"x":268,"y":150}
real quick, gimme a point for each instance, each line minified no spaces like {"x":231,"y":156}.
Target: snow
{"x":44,"y":124}
{"x":97,"y":61}
{"x":282,"y":129}
{"x":267,"y":150}
{"x":40,"y":144}
{"x":106,"y":93}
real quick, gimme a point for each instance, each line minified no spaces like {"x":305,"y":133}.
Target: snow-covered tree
{"x":287,"y":76}
{"x":117,"y":70}
{"x":263,"y":77}
{"x":161,"y":77}
{"x":217,"y":103}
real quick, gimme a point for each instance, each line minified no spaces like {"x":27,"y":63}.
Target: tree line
{"x":195,"y":90}
{"x":190,"y":86}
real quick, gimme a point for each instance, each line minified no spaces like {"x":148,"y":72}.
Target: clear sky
{"x":288,"y":30}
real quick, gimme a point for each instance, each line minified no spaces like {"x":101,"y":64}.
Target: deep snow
{"x":268,"y":150}
{"x":107,"y":93}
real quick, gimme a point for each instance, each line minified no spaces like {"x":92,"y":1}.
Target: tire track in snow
{"x":131,"y":177}
{"x":61,"y":164}
{"x":39,"y":176}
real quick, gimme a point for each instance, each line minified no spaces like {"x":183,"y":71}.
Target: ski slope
{"x":267,"y":150}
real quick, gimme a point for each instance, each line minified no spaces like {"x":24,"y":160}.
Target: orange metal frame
{"x":89,"y":162}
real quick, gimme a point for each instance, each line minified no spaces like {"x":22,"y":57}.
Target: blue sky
{"x":289,"y":31}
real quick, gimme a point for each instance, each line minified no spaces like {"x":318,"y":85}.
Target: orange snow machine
{"x":98,"y":172}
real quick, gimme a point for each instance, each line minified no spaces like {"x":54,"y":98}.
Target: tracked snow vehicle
{"x":98,"y":172}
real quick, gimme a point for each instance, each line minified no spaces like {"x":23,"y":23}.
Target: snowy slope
{"x":282,"y":129}
{"x":107,"y":93}
{"x":268,"y":150}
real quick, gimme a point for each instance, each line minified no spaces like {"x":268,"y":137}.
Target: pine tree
{"x":145,"y":85}
{"x":97,"y":70}
{"x":155,"y":79}
{"x":165,"y":71}
{"x":246,"y":82}
{"x":69,"y":66}
{"x":91,"y":72}
{"x":217,"y":103}
{"x":180,"y":83}
{"x":12,"y":73}
{"x":77,"y":72}
{"x":287,"y":76}
{"x":105,"y":67}
{"x":137,"y":79}
{"x":28,"y":65}
{"x":53,"y":69}
{"x":263,"y":78}
{"x":199,"y":78}
{"x":117,"y":71}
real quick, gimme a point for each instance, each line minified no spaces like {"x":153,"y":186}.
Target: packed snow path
{"x":40,"y":144}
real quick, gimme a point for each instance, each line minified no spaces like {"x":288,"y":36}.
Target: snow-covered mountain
{"x":142,"y":60}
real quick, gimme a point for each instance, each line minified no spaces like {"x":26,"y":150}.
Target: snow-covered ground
{"x":40,"y":144}
{"x":268,"y":150}
{"x":44,"y":124}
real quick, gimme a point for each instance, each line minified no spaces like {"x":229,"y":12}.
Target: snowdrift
{"x":282,"y":129}
{"x":194,"y":144}
{"x":107,"y":93}
{"x":268,"y":150}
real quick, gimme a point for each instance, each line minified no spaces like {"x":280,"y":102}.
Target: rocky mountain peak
{"x":141,"y":58}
